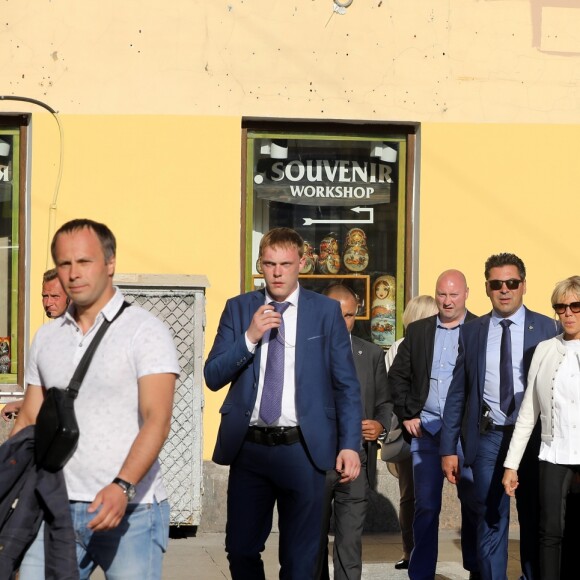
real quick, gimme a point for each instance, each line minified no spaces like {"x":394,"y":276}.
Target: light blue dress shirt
{"x":491,"y":387}
{"x":444,"y":357}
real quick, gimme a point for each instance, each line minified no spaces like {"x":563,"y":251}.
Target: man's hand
{"x":413,"y":427}
{"x":450,"y":466}
{"x":371,"y":429}
{"x":10,"y":410}
{"x":113,"y":503}
{"x":155,"y":404}
{"x":264,"y":319}
{"x":510,"y":481}
{"x":348,"y":465}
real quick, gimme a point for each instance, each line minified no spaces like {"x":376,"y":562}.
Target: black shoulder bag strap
{"x":75,"y":383}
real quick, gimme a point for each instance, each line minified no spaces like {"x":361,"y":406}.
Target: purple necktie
{"x":506,"y":372}
{"x":271,"y":403}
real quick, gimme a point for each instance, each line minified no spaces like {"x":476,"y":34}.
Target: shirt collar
{"x":111,"y":308}
{"x":293,"y":298}
{"x":518,"y":317}
{"x":108,"y":311}
{"x":440,"y":325}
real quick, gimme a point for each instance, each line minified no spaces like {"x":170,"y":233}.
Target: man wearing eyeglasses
{"x":484,"y":398}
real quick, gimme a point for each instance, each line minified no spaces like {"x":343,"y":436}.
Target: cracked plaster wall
{"x":436,"y":61}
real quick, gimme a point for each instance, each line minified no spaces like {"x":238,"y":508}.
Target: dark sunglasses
{"x":511,"y":284}
{"x":561,"y":308}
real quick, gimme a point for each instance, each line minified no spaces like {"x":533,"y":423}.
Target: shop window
{"x":347,"y":189}
{"x":12,"y":203}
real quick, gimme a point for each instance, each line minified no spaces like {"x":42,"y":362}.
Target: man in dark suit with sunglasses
{"x":482,"y":405}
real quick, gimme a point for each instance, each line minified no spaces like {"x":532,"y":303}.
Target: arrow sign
{"x":370,"y":220}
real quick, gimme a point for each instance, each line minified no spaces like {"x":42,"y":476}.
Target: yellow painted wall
{"x":494,"y":188}
{"x":158,"y":182}
{"x":151,"y":97}
{"x":167,"y":186}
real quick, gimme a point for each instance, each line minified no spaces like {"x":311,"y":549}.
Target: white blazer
{"x":538,"y":398}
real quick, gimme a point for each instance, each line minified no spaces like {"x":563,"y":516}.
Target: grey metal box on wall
{"x":179,"y":300}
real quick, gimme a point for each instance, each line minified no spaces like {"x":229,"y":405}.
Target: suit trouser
{"x":493,"y":528}
{"x":406,"y":504}
{"x":350,"y":510}
{"x":261,"y":477}
{"x":555,"y":482}
{"x":428,"y":478}
{"x":571,"y":540}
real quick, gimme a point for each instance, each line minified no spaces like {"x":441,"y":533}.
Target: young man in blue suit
{"x":292,"y":412}
{"x":482,"y":406}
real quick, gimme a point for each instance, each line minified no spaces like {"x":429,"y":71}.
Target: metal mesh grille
{"x":181,"y":459}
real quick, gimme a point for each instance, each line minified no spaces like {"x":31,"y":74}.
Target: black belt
{"x":503,"y":428}
{"x":273,"y":435}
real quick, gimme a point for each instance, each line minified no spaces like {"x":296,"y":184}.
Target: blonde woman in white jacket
{"x":553,"y":394}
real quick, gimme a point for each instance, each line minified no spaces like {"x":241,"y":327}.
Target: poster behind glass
{"x":342,"y":196}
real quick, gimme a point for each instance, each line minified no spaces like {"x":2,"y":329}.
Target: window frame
{"x":408,"y":133}
{"x":19,"y":124}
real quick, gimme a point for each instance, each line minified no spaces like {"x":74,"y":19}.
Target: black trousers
{"x":555,"y":482}
{"x":571,"y":541}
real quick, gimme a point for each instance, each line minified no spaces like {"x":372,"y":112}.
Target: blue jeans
{"x":131,"y":551}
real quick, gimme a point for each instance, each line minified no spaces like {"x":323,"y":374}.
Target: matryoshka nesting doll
{"x":355,"y":237}
{"x":310,"y":259}
{"x":330,"y":264}
{"x":356,"y":254}
{"x":383,"y":311}
{"x":329,"y":257}
{"x":4,"y":354}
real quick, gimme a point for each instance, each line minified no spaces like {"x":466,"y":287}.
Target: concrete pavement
{"x":203,"y":557}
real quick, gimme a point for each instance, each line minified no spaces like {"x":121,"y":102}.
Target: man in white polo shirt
{"x":118,"y":502}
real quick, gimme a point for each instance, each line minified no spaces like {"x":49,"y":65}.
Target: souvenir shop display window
{"x":12,"y":152}
{"x":347,"y":194}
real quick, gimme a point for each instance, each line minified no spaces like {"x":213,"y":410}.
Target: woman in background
{"x":553,"y":393}
{"x":416,"y":309}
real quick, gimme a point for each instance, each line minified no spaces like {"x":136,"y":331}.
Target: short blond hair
{"x":418,"y":308}
{"x":568,"y":286}
{"x":282,"y":238}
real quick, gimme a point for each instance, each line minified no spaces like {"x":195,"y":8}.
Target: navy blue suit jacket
{"x":328,"y":399}
{"x":464,"y":402}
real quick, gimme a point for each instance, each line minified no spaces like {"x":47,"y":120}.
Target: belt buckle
{"x":277,"y":437}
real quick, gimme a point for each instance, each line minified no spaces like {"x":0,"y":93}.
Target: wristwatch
{"x":128,"y":488}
